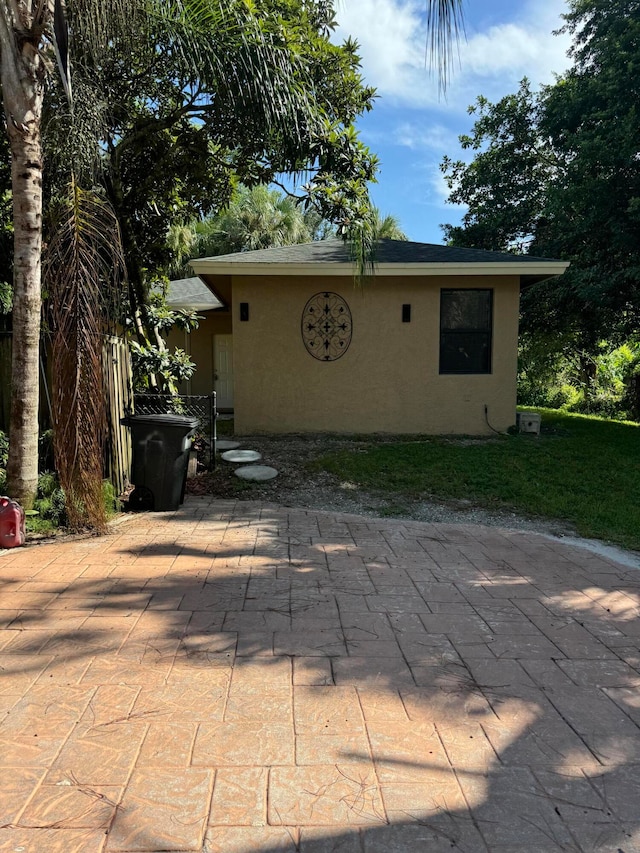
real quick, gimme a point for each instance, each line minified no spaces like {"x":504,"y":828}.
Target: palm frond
{"x":240,"y":54}
{"x":61,"y":47}
{"x":72,"y":132}
{"x":95,"y":24}
{"x":82,"y":263}
{"x":362,"y":243}
{"x":445,"y":25}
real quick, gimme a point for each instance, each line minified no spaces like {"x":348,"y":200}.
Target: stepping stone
{"x":226,"y":444}
{"x":241,"y":456}
{"x":259,"y":473}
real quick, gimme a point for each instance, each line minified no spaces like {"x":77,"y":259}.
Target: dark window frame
{"x":482,"y":355}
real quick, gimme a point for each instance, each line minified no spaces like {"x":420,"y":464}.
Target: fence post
{"x":213,"y":430}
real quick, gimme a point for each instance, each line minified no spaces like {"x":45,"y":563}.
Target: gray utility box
{"x":528,"y":422}
{"x":161,"y":446}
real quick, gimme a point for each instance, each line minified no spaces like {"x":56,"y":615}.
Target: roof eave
{"x":528,"y":278}
{"x":219,"y":285}
{"x":186,"y":305}
{"x":529,"y":269}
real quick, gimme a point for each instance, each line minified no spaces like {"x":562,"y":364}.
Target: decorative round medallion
{"x":326,"y":326}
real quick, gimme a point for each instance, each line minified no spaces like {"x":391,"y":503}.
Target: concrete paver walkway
{"x":236,"y":677}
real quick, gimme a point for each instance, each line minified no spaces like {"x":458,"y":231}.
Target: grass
{"x":582,"y":470}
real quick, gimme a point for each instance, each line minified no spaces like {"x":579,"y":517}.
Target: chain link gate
{"x":202,"y":407}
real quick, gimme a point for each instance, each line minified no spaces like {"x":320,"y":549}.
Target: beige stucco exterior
{"x":388,"y":380}
{"x":199,"y":346}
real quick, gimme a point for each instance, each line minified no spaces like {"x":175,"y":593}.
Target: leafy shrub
{"x":111,"y":502}
{"x":603,"y":384}
{"x":50,"y":499}
{"x":45,"y":452}
{"x":50,"y":502}
{"x":170,"y":368}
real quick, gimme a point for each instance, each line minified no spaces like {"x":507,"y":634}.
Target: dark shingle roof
{"x":191,"y":293}
{"x":388,"y":252}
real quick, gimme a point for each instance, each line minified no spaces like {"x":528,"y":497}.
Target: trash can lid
{"x":186,"y":421}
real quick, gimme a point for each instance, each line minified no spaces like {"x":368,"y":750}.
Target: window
{"x":466,"y":320}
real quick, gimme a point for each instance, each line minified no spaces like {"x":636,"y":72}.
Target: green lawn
{"x":582,"y":470}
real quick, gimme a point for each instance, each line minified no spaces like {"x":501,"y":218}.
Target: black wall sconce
{"x":244,"y":311}
{"x":406,"y":313}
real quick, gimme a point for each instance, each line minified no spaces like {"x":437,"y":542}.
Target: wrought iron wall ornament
{"x":326,"y":326}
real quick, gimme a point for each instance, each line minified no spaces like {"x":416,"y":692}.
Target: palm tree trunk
{"x":22,"y":76}
{"x":22,"y":468}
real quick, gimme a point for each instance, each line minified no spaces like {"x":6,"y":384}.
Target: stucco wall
{"x":199,"y":345}
{"x":388,"y":380}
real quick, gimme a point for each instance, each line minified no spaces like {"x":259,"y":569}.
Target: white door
{"x":223,"y":370}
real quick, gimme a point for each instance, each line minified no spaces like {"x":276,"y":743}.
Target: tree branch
{"x":155,"y":125}
{"x":286,"y":191}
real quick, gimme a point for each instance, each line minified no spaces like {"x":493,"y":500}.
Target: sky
{"x":412,"y":124}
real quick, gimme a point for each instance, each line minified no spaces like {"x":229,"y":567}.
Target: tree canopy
{"x":557,"y":173}
{"x":175,"y":134}
{"x":181,"y":116}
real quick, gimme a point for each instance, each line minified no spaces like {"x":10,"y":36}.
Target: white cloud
{"x":392,"y":37}
{"x":425,"y":136}
{"x":439,"y":193}
{"x":387,"y":33}
{"x":515,"y":49}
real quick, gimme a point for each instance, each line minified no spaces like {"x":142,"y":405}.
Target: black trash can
{"x":161,"y":445}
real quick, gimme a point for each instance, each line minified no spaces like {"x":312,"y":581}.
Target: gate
{"x":202,"y":407}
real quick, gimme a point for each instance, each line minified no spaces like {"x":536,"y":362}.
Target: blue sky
{"x":412,"y":126}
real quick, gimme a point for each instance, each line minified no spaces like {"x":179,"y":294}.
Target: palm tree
{"x":387,"y":227}
{"x":28,"y":28}
{"x":22,"y":75}
{"x":257,"y":218}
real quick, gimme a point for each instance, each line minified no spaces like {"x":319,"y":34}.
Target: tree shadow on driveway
{"x":324,"y":683}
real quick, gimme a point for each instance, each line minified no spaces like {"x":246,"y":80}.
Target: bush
{"x":602,"y":384}
{"x":50,"y":502}
{"x":111,"y":502}
{"x":50,"y":499}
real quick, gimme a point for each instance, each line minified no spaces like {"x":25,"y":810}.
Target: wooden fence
{"x":118,"y":386}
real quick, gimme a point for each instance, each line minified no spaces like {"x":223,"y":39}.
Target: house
{"x":428,"y":344}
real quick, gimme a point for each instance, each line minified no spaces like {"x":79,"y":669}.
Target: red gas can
{"x":12,"y":532}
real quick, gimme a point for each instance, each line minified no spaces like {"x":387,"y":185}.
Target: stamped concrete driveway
{"x":237,"y":677}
